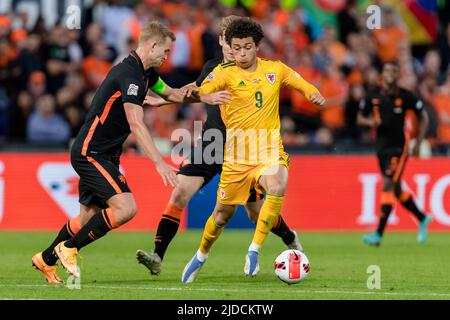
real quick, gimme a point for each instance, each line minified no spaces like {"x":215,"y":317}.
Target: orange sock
{"x":172,"y":212}
{"x":74,"y":225}
{"x":167,"y":228}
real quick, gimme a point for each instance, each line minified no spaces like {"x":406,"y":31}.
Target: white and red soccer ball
{"x":292,"y":266}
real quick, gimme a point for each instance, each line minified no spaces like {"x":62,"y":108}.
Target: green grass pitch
{"x":339,"y":263}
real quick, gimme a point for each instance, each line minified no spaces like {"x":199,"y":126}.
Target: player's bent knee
{"x":180,"y":197}
{"x":124,"y":212}
{"x":221,"y":218}
{"x":277,"y":189}
{"x":131,"y":210}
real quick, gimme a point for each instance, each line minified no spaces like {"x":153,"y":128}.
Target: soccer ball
{"x":292,"y":266}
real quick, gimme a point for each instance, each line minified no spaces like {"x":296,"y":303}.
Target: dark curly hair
{"x":244,"y":28}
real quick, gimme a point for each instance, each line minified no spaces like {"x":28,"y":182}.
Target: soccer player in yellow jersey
{"x":254,"y":153}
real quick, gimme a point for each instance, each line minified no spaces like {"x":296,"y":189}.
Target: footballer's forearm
{"x":135,"y":118}
{"x":176,"y":96}
{"x":306,"y":88}
{"x":155,"y":100}
{"x":145,"y":141}
{"x":171,"y":95}
{"x":205,"y":98}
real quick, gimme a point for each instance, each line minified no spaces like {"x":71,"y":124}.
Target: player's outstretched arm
{"x":189,"y":90}
{"x":212,"y":90}
{"x":190,"y":95}
{"x":154,"y":100}
{"x":317,"y":99}
{"x":135,"y":117}
{"x":293,"y":80}
{"x":216,"y":98}
{"x":309,"y":91}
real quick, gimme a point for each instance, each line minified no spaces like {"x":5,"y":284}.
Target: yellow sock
{"x":210,"y":234}
{"x":267,"y":217}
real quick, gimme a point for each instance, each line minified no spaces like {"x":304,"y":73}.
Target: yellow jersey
{"x":254,"y":108}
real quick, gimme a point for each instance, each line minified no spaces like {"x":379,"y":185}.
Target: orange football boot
{"x":50,"y":272}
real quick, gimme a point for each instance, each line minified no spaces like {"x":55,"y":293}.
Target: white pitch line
{"x":21,"y":299}
{"x":300,"y":291}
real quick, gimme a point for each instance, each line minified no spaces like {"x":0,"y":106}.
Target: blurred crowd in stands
{"x":48,"y":76}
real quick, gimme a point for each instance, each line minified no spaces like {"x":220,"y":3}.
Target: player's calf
{"x":408,"y":203}
{"x":98,"y":226}
{"x":274,"y":180}
{"x":123,"y":208}
{"x":180,"y":196}
{"x":167,"y":229}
